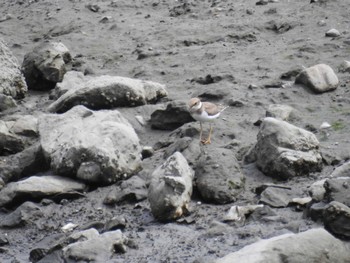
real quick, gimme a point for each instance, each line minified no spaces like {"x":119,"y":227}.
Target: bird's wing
{"x":211,"y":108}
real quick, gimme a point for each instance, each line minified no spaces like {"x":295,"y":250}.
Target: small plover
{"x":204,"y":112}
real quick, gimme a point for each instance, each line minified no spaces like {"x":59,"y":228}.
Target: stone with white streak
{"x":170,"y":189}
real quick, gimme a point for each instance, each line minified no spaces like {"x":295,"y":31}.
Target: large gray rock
{"x":218,"y":176}
{"x":336,"y":219}
{"x":284,"y":150}
{"x":97,"y":147}
{"x":170,"y":189}
{"x":105,"y":92}
{"x":319,"y":78}
{"x":312,"y":246}
{"x":45,"y":65}
{"x":98,"y":248}
{"x":12,"y":82}
{"x":39,"y":187}
{"x":27,"y":162}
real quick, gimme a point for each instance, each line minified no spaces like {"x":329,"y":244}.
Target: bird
{"x":204,"y":112}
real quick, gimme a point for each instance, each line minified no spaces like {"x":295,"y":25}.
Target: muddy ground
{"x":247,"y":46}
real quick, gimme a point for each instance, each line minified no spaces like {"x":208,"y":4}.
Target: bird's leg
{"x":201,"y":132}
{"x":208,"y":141}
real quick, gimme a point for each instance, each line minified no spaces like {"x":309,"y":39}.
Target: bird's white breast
{"x":204,"y":116}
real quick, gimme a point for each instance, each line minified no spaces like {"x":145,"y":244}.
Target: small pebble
{"x":332,"y":33}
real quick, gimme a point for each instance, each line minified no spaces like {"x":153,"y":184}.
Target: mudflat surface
{"x":247,"y":47}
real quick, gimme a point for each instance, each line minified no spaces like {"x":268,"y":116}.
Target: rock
{"x":317,"y":190}
{"x":281,"y":112}
{"x":319,"y":78}
{"x":332,"y":33}
{"x":28,"y":162}
{"x":336,"y":218}
{"x":101,"y":154}
{"x":9,"y":143}
{"x":45,"y":65}
{"x":6,"y":102}
{"x":337,"y":189}
{"x":105,"y":92}
{"x":170,"y":190}
{"x":12,"y":81}
{"x":276,"y":197}
{"x":36,"y":187}
{"x":26,"y":125}
{"x":280,"y":27}
{"x":68,"y":227}
{"x":239,"y":213}
{"x":133,"y":189}
{"x":283,"y":150}
{"x":71,"y":80}
{"x":315,"y":211}
{"x":341,"y":171}
{"x":26,"y":213}
{"x":98,"y":249}
{"x":344,"y":66}
{"x":218,"y":176}
{"x":115,"y":223}
{"x":48,"y":249}
{"x":175,"y":115}
{"x":315,"y":245}
{"x":291,"y":74}
{"x":147,"y":152}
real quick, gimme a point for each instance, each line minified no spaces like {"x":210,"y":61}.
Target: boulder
{"x":97,"y":249}
{"x":28,"y":162}
{"x":45,"y":65}
{"x":337,"y":189}
{"x":101,"y":154}
{"x":283,"y":150}
{"x":336,"y":219}
{"x":24,"y":214}
{"x":172,"y":117}
{"x":37,"y":187}
{"x":105,"y":92}
{"x":319,"y":78}
{"x":12,"y":82}
{"x":218,"y":176}
{"x":170,"y":190}
{"x":312,"y":246}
